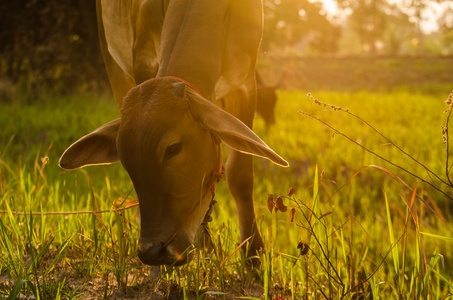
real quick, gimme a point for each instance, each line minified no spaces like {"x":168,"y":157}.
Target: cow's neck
{"x":192,"y":43}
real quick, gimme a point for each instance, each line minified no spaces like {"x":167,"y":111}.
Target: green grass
{"x":373,"y":236}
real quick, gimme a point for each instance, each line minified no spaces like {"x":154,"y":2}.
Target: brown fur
{"x":164,"y":136}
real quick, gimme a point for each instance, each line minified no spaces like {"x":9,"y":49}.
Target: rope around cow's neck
{"x":193,"y":87}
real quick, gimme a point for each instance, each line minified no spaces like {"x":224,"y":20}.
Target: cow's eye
{"x":172,"y":150}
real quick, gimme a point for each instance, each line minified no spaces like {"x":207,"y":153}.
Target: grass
{"x":357,"y":73}
{"x":360,"y":227}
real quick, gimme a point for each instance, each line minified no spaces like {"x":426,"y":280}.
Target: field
{"x":363,"y":228}
{"x":375,"y":73}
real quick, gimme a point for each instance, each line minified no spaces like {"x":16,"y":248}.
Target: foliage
{"x":367,"y":20}
{"x":392,"y":28}
{"x":51,"y":45}
{"x":355,"y":231}
{"x":289,"y":22}
{"x":446,"y":28}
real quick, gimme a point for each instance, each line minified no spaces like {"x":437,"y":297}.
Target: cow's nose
{"x":158,"y":255}
{"x":151,"y":255}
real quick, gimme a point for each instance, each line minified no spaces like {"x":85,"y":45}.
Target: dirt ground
{"x":144,"y":287}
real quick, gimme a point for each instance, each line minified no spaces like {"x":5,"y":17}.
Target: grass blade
{"x":237,"y":248}
{"x":440,"y":237}
{"x":63,"y":248}
{"x":16,"y":290}
{"x":395,"y":253}
{"x":9,"y":247}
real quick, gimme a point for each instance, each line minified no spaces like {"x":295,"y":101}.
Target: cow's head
{"x":164,"y":139}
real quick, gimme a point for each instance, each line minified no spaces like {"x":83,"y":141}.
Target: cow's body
{"x":168,"y":63}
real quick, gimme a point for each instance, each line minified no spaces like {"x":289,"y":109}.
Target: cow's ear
{"x":98,"y":147}
{"x":230,"y":129}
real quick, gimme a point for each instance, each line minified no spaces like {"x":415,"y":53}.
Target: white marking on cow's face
{"x":169,"y":158}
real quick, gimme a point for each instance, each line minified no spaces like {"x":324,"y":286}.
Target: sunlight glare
{"x":330,"y":6}
{"x":430,"y":14}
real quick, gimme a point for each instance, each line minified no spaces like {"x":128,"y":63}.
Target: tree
{"x":445,"y":23}
{"x":399,"y":30}
{"x":50,"y":44}
{"x":394,"y":24}
{"x":288,"y":22}
{"x":367,"y":20}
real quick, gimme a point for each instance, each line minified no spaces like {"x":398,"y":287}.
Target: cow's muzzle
{"x":160,"y":255}
{"x":176,"y":251}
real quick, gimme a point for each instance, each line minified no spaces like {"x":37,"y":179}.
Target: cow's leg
{"x":148,"y":26}
{"x":120,"y":81}
{"x":239,"y":173}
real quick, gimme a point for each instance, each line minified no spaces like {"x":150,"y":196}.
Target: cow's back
{"x":130,"y":36}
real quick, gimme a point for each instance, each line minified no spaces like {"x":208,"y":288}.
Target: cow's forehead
{"x":146,"y":125}
{"x":153,"y":104}
{"x":154,"y":95}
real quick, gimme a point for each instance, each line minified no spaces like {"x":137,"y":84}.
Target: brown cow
{"x":196,"y":53}
{"x":266,"y":101}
